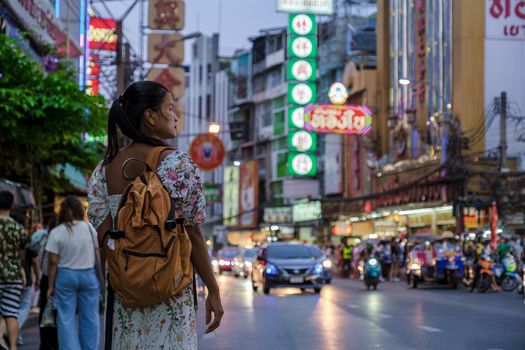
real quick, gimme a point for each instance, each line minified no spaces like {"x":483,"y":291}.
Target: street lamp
{"x":214,"y":128}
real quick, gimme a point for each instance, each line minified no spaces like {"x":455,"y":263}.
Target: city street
{"x":346,"y":316}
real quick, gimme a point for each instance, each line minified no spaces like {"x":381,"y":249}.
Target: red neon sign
{"x":102,"y":34}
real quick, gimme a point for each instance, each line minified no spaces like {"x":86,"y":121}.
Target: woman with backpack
{"x":130,"y":184}
{"x":73,"y":282}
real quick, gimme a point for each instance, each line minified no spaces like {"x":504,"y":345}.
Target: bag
{"x":148,"y":250}
{"x":48,"y":316}
{"x":99,"y":271}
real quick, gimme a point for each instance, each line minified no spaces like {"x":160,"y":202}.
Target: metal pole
{"x":503,"y":132}
{"x":121,"y":71}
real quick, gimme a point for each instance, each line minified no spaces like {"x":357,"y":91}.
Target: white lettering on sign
{"x":338,"y":119}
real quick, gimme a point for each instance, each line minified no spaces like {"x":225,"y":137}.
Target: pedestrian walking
{"x":145,"y":113}
{"x":12,"y":279}
{"x":31,"y":268}
{"x":73,"y":280}
{"x":48,"y":335}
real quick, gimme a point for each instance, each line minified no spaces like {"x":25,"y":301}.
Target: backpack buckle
{"x":172,"y":224}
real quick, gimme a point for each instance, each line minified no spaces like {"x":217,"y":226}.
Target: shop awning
{"x":23,"y":194}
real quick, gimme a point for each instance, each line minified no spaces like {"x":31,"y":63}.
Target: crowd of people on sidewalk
{"x":51,"y":265}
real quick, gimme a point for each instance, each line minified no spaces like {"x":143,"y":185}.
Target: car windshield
{"x":229,"y":253}
{"x":315,"y":251}
{"x":250,"y":253}
{"x":289,"y":252}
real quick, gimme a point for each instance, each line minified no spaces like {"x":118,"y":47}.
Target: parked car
{"x":287,"y":265}
{"x":242,"y":264}
{"x":225,"y":258}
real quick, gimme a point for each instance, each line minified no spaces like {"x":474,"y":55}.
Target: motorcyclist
{"x":493,"y":285}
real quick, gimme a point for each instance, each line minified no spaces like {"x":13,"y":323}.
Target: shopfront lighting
{"x":236,"y":163}
{"x":426,"y":210}
{"x":404,"y":81}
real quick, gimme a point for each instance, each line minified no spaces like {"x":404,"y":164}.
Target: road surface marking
{"x":429,"y":329}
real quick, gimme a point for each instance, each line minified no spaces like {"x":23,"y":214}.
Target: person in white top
{"x":72,"y":277}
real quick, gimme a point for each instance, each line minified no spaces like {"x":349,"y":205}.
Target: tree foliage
{"x":43,"y":117}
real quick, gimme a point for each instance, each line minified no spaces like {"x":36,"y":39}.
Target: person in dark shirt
{"x":12,"y":277}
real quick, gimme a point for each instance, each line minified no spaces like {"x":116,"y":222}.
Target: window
{"x":200,"y":74}
{"x":278,"y":123}
{"x":282,"y":165}
{"x":200,"y":107}
{"x":258,"y":84}
{"x":208,"y":106}
{"x":263,"y":112}
{"x":277,"y":188}
{"x":274,"y":77}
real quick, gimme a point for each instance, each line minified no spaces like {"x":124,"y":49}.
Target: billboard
{"x":230,"y":199}
{"x":249,"y":194}
{"x":241,"y":69}
{"x":102,"y":34}
{"x":306,"y":211}
{"x":316,"y":7}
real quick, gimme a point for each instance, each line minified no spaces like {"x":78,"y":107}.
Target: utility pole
{"x":121,"y":71}
{"x":503,"y":132}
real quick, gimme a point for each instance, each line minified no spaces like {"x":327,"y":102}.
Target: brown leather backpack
{"x":148,"y":250}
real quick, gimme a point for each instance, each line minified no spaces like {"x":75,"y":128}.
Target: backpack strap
{"x":154,"y":156}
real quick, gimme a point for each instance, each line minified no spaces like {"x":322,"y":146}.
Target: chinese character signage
{"x":166,"y":14}
{"x":302,"y":141}
{"x":302,"y":93}
{"x":306,"y":211}
{"x":296,"y":117}
{"x":505,"y":19}
{"x":302,"y":46}
{"x":301,"y":24}
{"x":316,"y":7}
{"x":330,"y":119}
{"x":302,"y":70}
{"x":302,"y":164}
{"x":102,"y":34}
{"x":165,"y":49}
{"x":172,"y":78}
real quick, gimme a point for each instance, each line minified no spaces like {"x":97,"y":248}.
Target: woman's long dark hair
{"x":71,"y":209}
{"x":127,"y":113}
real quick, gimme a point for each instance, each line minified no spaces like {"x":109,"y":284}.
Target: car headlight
{"x":318,"y":269}
{"x":248,"y":263}
{"x":327,"y":264}
{"x":271,"y":270}
{"x":214,"y":262}
{"x":372,"y":262}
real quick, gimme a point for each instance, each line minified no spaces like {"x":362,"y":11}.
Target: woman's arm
{"x":201,"y":261}
{"x":51,"y":272}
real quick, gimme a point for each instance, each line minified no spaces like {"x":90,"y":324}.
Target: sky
{"x":235,"y":20}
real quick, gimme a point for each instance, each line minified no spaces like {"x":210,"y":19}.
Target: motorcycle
{"x":506,"y":273}
{"x":372,"y":272}
{"x":486,"y":273}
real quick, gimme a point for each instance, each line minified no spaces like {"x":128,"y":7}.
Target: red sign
{"x":421,"y":49}
{"x":102,"y":34}
{"x":207,"y":151}
{"x":332,"y":119}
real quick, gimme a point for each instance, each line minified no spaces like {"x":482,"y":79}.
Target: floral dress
{"x":172,"y":324}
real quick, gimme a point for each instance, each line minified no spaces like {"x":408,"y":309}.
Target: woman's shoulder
{"x":176,"y":159}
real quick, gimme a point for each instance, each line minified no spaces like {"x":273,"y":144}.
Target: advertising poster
{"x":230,"y":199}
{"x":249,"y":194}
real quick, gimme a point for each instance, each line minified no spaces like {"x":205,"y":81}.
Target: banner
{"x":230,"y":199}
{"x":249,"y":194}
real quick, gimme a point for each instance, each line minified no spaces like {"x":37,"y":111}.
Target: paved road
{"x":346,"y":316}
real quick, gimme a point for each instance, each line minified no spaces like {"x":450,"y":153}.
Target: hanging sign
{"x":172,"y":78}
{"x":338,"y":93}
{"x":301,"y":24}
{"x":302,"y":46}
{"x":296,"y":117}
{"x":302,"y":164}
{"x":302,"y":70}
{"x":302,"y":93}
{"x":302,"y":141}
{"x":317,"y":7}
{"x":207,"y":151}
{"x":166,"y":14}
{"x":330,"y":119}
{"x":102,"y":34}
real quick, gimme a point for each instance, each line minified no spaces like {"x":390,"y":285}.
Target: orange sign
{"x":172,"y":78}
{"x":166,"y":14}
{"x":249,"y":194}
{"x":207,"y":151}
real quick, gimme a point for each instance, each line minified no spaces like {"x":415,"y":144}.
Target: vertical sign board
{"x":249,"y":194}
{"x":302,"y":90}
{"x":230,"y":199}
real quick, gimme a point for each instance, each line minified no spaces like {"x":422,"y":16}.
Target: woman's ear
{"x":149,"y":117}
